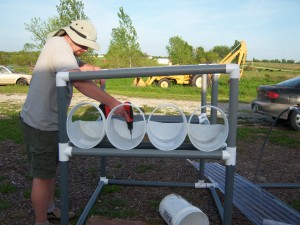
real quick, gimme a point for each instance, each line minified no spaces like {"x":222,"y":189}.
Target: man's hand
{"x":120,"y":110}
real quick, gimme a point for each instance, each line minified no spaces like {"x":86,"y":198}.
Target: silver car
{"x":8,"y":76}
{"x":272,"y":100}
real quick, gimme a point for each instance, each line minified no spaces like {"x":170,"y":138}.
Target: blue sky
{"x":270,"y":28}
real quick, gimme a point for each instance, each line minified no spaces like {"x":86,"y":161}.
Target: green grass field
{"x":247,"y":88}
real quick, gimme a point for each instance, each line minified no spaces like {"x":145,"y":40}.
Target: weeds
{"x":5,"y":204}
{"x":114,"y":208}
{"x":144,"y":168}
{"x":7,"y":188}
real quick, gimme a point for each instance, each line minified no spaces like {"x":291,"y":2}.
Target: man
{"x":39,"y":114}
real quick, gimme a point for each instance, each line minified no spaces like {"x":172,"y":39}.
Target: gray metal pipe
{"x":217,"y":202}
{"x":146,"y":145}
{"x":233,"y":105}
{"x":64,"y":163}
{"x":279,"y":185}
{"x":151,"y":183}
{"x":90,"y":204}
{"x":201,"y":169}
{"x":203,"y":92}
{"x":147,"y":153}
{"x":103,"y":167}
{"x":148,"y":71}
{"x":214,"y":97}
{"x":228,"y":199}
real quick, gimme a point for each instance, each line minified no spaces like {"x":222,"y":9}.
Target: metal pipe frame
{"x":217,"y":202}
{"x":144,"y":183}
{"x":65,"y":151}
{"x":279,"y":185}
{"x":149,"y":153}
{"x":91,"y":202}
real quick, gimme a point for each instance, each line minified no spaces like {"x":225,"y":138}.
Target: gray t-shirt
{"x":40,"y":109}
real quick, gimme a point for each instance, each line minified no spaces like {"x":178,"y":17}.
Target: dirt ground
{"x":279,"y":165}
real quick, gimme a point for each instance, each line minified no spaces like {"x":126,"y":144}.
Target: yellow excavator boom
{"x":139,"y":82}
{"x":240,"y":50}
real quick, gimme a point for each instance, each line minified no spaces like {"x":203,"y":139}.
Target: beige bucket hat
{"x":82,"y":32}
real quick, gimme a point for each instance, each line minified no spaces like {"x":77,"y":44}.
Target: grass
{"x":7,"y":188}
{"x":144,"y":168}
{"x":12,"y":129}
{"x":247,"y":87}
{"x":27,"y":194}
{"x":278,"y":66}
{"x":296,"y":204}
{"x":14,"y":89}
{"x":154,"y":203}
{"x":108,"y":189}
{"x":286,"y":138}
{"x":2,"y":178}
{"x":86,"y":113}
{"x":5,"y":204}
{"x":114,"y":208}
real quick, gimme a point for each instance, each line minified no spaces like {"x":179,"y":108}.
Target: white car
{"x":8,"y":76}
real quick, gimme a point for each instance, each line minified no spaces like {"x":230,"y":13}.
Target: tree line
{"x":124,"y":49}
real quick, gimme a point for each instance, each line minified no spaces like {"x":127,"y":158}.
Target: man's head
{"x":81,"y":32}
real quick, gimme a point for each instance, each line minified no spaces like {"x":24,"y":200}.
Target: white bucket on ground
{"x":117,"y":129}
{"x":86,"y":134}
{"x":167,"y":136}
{"x":175,"y":210}
{"x":208,"y":137}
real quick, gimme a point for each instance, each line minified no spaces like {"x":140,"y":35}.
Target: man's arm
{"x":91,"y":90}
{"x":88,"y":67}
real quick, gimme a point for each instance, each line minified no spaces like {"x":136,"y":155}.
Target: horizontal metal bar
{"x":279,"y":185}
{"x":148,"y":71}
{"x":151,"y":183}
{"x":147,"y":153}
{"x":145,"y":145}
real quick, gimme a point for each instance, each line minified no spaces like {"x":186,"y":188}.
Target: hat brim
{"x":76,"y":38}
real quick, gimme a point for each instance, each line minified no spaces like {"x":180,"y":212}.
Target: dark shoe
{"x":55,"y":214}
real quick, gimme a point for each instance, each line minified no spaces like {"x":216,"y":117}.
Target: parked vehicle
{"x":9,"y":76}
{"x":239,"y":53}
{"x":274,"y":99}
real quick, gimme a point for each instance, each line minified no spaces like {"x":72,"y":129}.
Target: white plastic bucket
{"x":86,"y":134}
{"x":117,"y":129}
{"x":167,"y":136}
{"x":208,"y":137}
{"x":175,"y":210}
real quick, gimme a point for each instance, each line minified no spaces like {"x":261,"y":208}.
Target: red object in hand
{"x":128,"y":108}
{"x":105,"y":109}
